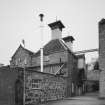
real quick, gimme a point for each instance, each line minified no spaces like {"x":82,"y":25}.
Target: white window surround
{"x":35,"y":83}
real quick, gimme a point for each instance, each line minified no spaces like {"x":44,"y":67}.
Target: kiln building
{"x":59,"y":60}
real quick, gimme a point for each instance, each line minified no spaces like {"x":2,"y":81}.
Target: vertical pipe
{"x":24,"y":72}
{"x":24,"y":88}
{"x":41,"y":50}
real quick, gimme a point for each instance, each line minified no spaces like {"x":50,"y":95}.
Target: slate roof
{"x":30,"y":52}
{"x":68,"y":38}
{"x":53,"y":46}
{"x":21,"y":47}
{"x":56,"y":24}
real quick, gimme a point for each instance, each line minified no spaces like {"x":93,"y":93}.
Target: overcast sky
{"x":19,"y":20}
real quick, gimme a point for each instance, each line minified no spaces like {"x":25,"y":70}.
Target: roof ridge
{"x":63,"y":44}
{"x":29,"y":50}
{"x":20,"y":46}
{"x":52,"y":46}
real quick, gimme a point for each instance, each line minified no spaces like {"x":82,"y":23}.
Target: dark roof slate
{"x":56,"y":24}
{"x":52,"y":47}
{"x":68,"y":38}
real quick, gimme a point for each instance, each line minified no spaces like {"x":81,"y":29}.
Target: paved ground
{"x":88,"y":99}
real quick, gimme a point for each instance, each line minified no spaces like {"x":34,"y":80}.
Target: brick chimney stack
{"x":56,"y":28}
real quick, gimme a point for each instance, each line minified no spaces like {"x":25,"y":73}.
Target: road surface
{"x":88,"y":99}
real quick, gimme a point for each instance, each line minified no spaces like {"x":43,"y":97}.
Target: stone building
{"x":93,"y":80}
{"x":93,"y":75}
{"x":102,"y":57}
{"x":39,"y":86}
{"x":22,"y":57}
{"x":8,"y":78}
{"x":42,"y":87}
{"x":59,"y":62}
{"x":82,"y":73}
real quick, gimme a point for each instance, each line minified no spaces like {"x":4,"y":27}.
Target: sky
{"x":19,"y":20}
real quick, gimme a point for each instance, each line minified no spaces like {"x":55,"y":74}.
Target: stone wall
{"x":39,"y":87}
{"x":92,"y":86}
{"x":57,"y":68}
{"x":21,"y":58}
{"x":8,"y":78}
{"x":72,"y":74}
{"x":93,"y":75}
{"x":92,"y":83}
{"x":102,"y":57}
{"x":52,"y":62}
{"x":51,"y":58}
{"x":42,"y":87}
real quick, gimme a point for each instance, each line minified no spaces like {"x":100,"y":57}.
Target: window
{"x":16,"y":62}
{"x":19,"y":60}
{"x":36,"y":83}
{"x":25,"y":61}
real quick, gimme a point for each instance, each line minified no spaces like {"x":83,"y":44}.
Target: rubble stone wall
{"x":20,"y":58}
{"x":7,"y":86}
{"x":51,"y":59}
{"x":42,"y":87}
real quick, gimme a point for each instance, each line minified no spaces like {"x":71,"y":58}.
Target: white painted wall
{"x":81,"y":63}
{"x":56,"y":34}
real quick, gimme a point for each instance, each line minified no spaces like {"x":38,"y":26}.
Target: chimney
{"x":69,"y":42}
{"x":56,"y":28}
{"x":101,"y":26}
